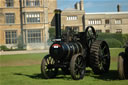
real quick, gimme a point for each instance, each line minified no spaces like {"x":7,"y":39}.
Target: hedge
{"x":114,"y":43}
{"x":114,"y":40}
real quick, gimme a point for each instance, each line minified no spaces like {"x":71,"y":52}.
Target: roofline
{"x":126,"y":12}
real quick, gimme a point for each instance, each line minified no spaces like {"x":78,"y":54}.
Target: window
{"x":107,"y":21}
{"x":34,"y":36}
{"x":118,"y":30}
{"x":10,"y":18}
{"x":68,"y":28}
{"x":76,"y":29}
{"x":98,"y":31}
{"x":33,"y":17}
{"x":94,"y":21}
{"x":71,"y":17}
{"x":32,"y":3}
{"x":107,"y":31}
{"x":118,"y":21}
{"x":11,"y":37}
{"x":72,"y":28}
{"x":9,"y":3}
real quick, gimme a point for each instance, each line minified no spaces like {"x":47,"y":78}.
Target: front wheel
{"x":77,"y":67}
{"x":48,"y":69}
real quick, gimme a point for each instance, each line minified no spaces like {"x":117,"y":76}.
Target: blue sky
{"x":95,"y":5}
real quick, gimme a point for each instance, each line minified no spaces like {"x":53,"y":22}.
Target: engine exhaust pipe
{"x":58,"y":23}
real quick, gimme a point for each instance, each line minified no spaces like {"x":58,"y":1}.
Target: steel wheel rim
{"x":48,"y":67}
{"x":79,"y":71}
{"x":49,"y":63}
{"x":104,"y":56}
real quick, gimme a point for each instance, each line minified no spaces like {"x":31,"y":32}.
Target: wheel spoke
{"x":76,"y":67}
{"x":47,"y":67}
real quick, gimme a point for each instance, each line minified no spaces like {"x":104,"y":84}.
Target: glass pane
{"x":34,"y":36}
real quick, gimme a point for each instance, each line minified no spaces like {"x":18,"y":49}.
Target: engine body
{"x":73,"y":51}
{"x":65,"y":50}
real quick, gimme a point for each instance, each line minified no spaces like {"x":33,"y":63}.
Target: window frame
{"x":73,"y":28}
{"x":119,"y":31}
{"x":98,"y":31}
{"x":94,"y":21}
{"x":72,"y":18}
{"x":34,"y":36}
{"x":107,"y":21}
{"x":11,"y":37}
{"x":107,"y":31}
{"x":9,"y":19}
{"x":33,"y":17}
{"x":118,"y":21}
{"x":32,"y":3}
{"x":11,"y":2}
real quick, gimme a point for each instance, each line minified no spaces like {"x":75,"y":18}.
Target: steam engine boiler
{"x":72,"y":52}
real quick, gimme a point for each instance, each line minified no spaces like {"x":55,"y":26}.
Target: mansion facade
{"x":33,"y":18}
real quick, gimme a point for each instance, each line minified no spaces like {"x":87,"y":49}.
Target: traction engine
{"x":72,"y":52}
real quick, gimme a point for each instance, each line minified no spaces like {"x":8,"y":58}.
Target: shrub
{"x":51,"y":33}
{"x":125,"y":38}
{"x":103,"y":36}
{"x":3,"y":47}
{"x":114,"y":43}
{"x":20,"y":44}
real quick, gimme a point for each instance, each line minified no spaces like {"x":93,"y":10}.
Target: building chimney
{"x":77,"y":6}
{"x":81,"y":5}
{"x":118,"y":8}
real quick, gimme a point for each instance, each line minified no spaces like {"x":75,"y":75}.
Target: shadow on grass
{"x":39,"y":76}
{"x":34,"y":76}
{"x":111,"y":75}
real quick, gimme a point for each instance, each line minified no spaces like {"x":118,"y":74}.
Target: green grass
{"x":6,"y":58}
{"x":30,"y":74}
{"x":115,"y":51}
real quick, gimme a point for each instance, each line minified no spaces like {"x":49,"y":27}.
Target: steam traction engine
{"x":73,"y":52}
{"x":123,"y":63}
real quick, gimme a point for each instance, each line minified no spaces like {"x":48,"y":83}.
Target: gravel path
{"x":22,"y":52}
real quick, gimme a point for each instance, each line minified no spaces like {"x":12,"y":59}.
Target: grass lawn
{"x":24,"y":69}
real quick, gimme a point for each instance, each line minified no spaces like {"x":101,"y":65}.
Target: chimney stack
{"x":77,"y":6}
{"x":118,"y":8}
{"x":81,"y":5}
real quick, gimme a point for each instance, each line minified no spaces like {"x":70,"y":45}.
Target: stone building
{"x":74,"y":17}
{"x":107,"y":22}
{"x":36,"y":15}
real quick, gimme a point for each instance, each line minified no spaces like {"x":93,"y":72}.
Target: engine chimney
{"x":58,"y":23}
{"x":118,"y":8}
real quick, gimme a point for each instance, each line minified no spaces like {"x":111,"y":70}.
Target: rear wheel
{"x":77,"y":67}
{"x":100,"y":57}
{"x":48,"y":69}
